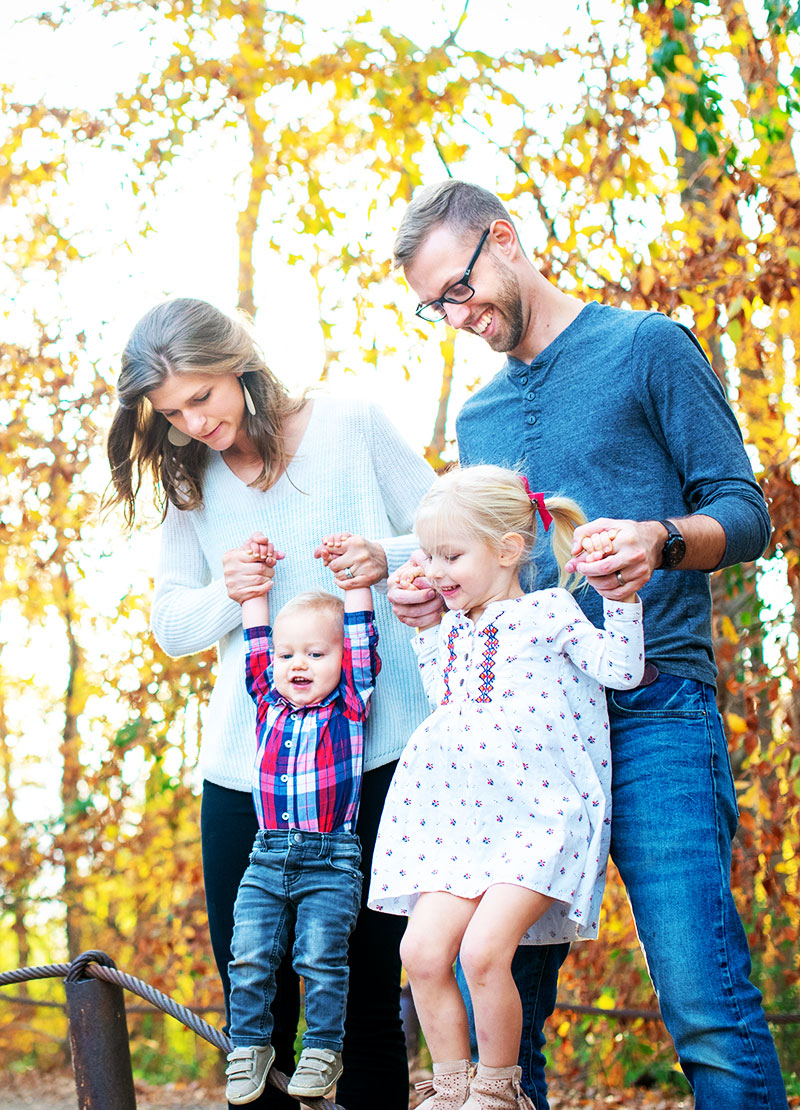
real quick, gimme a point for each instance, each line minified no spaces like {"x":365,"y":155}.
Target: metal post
{"x":98,"y":1033}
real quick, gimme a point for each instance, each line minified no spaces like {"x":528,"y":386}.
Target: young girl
{"x":497,"y":822}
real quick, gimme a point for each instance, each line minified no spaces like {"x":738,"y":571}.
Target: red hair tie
{"x":537,"y":499}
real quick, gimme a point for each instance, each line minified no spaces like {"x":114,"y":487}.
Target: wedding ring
{"x":620,"y":579}
{"x":349,"y":572}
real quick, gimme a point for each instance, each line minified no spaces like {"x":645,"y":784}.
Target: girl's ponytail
{"x":567,"y":516}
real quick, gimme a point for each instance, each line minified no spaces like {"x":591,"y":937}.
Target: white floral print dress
{"x":509,"y":779}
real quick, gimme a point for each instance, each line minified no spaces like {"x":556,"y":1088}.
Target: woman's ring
{"x":620,"y":579}
{"x":349,"y":572}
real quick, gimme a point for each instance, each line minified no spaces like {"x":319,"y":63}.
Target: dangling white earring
{"x":178,"y":438}
{"x":248,"y":400}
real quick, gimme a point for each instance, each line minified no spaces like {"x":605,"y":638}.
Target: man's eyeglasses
{"x":457,"y":293}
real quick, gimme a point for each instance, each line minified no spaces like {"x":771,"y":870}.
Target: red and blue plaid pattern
{"x":307,"y":772}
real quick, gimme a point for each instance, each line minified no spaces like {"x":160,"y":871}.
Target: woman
{"x":231,"y":453}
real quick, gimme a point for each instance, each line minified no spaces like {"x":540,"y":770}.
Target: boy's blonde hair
{"x":320,"y":600}
{"x":485,"y":503}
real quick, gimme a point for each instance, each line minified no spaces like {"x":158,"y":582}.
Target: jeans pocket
{"x":669,"y":697}
{"x":345,"y":855}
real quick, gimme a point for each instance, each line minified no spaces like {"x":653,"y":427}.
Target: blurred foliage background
{"x":650,"y":152}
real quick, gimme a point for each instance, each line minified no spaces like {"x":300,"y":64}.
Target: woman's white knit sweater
{"x":352,"y":472}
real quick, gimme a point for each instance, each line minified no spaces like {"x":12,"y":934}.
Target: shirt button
{"x":530,"y":395}
{"x":284,"y":817}
{"x":523,"y":380}
{"x":288,"y":743}
{"x":284,"y":778}
{"x":531,"y":419}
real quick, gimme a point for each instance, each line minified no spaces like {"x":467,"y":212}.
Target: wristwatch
{"x":674,"y":547}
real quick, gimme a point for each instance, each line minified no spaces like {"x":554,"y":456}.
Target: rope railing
{"x":621,"y":1013}
{"x":99,"y":1034}
{"x":97,"y":965}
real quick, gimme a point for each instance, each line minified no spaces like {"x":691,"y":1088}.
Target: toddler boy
{"x":311,"y":677}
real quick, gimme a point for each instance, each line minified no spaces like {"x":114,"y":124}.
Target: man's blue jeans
{"x":313,"y":880}
{"x":674,"y":814}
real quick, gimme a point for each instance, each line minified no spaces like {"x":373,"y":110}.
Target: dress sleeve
{"x":426,"y":645}
{"x":191,"y":610}
{"x":361,"y":663}
{"x":258,"y":662}
{"x":614,"y":655}
{"x":404,"y":477}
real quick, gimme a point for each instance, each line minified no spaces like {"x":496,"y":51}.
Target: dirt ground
{"x":57,"y":1092}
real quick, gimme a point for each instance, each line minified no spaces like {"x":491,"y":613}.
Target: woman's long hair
{"x":187,"y":336}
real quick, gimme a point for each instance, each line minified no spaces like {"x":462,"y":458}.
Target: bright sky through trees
{"x":650,"y":154}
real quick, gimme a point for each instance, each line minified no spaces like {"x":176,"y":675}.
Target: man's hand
{"x":617,"y":565}
{"x":412,"y":598}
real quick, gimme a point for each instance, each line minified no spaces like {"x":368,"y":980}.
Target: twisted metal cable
{"x":97,"y":965}
{"x":23,"y":974}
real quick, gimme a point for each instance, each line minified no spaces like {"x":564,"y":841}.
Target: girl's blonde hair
{"x":487,"y":502}
{"x":187,"y":336}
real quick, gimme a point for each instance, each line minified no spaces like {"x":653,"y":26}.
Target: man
{"x":622,"y":411}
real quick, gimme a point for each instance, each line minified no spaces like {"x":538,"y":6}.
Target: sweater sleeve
{"x":191,"y":611}
{"x":404,"y":477}
{"x":688,"y":412}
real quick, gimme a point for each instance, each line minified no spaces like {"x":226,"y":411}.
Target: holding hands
{"x":354,"y":561}
{"x":612,"y":556}
{"x":412,"y":597}
{"x":249,"y":569}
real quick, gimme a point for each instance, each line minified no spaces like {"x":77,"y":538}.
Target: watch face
{"x":674,"y":551}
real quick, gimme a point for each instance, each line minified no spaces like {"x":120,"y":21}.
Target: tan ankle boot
{"x":497,"y":1089}
{"x":448,"y":1088}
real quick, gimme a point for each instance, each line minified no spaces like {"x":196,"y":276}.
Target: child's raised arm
{"x":357,"y":599}
{"x":360,"y":661}
{"x":258,"y":550}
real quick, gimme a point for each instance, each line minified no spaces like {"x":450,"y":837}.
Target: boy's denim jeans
{"x":674,"y":815}
{"x":313,"y":880}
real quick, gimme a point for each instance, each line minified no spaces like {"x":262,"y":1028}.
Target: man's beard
{"x":509,"y":302}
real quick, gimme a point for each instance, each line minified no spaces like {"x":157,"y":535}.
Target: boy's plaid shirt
{"x":307,"y":772}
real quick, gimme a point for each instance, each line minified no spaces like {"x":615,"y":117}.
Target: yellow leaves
{"x":647,"y":278}
{"x":730,"y":634}
{"x":706,"y":316}
{"x":683,"y":63}
{"x":687,"y":138}
{"x":737,"y":725}
{"x":683,"y":85}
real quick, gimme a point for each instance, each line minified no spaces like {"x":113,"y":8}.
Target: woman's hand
{"x":354,"y":561}
{"x":249,"y":569}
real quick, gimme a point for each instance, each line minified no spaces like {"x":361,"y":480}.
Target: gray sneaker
{"x":316,"y":1074}
{"x":247,"y":1072}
